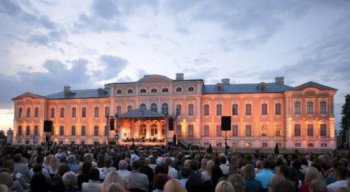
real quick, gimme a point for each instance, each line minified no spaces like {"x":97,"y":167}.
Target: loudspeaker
{"x":48,"y":126}
{"x":171,"y":124}
{"x":225,"y":123}
{"x":111,"y":124}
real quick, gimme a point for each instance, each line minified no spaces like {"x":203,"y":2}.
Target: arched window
{"x":165,"y":108}
{"x":143,"y":91}
{"x":154,"y":130}
{"x":143,"y":131}
{"x":143,"y":106}
{"x":190,"y":89}
{"x":178,"y":89}
{"x":130,"y":91}
{"x":154,"y":90}
{"x":119,"y":91}
{"x":165,"y":90}
{"x":129,"y":107}
{"x":154,"y":107}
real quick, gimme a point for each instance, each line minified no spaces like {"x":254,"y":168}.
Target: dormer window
{"x":143,"y":91}
{"x":130,"y":91}
{"x":165,"y":90}
{"x":190,"y":89}
{"x":119,"y":91}
{"x":219,"y":87}
{"x":178,"y":90}
{"x":153,"y":90}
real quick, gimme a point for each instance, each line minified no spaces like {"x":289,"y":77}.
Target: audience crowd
{"x":112,"y":168}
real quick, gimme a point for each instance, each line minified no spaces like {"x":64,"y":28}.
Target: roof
{"x":154,"y":79}
{"x":141,"y":113}
{"x":84,"y":93}
{"x":28,"y":94}
{"x":246,"y":88}
{"x":312,"y":84}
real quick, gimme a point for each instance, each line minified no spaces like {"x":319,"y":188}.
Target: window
{"x":83,"y":112}
{"x":154,"y":130}
{"x":154,"y":90}
{"x":218,"y":131}
{"x":178,"y":89}
{"x":310,"y":107}
{"x":96,"y":112}
{"x":297,"y":145}
{"x":264,"y":145}
{"x":154,"y":107}
{"x":106,"y":111}
{"x":52,"y":114}
{"x":323,"y":144}
{"x":164,"y":108}
{"x":119,"y":109}
{"x":19,"y":131}
{"x":297,"y":107}
{"x":27,"y":130}
{"x":234,"y":130}
{"x":248,"y":130}
{"x":119,"y":91}
{"x":96,"y":130}
{"x":143,"y":91}
{"x":129,"y":108}
{"x":165,"y":90}
{"x":62,"y":112}
{"x":36,"y":130}
{"x":235,"y":109}
{"x":278,"y":130}
{"x":143,"y":130}
{"x":264,"y":131}
{"x":248,"y":109}
{"x":28,"y":112}
{"x":106,"y":130}
{"x":178,"y":109}
{"x":178,"y":130}
{"x":190,"y":131}
{"x":297,"y":130}
{"x":61,"y":130}
{"x":83,"y":130}
{"x":310,"y":130}
{"x":190,"y":89}
{"x":206,"y":131}
{"x":218,"y":109}
{"x":36,"y":112}
{"x":264,"y":109}
{"x":143,"y":106}
{"x":323,"y":107}
{"x":311,"y":145}
{"x":20,"y":112}
{"x":323,"y":130}
{"x":73,"y":131}
{"x":74,"y":112}
{"x":206,"y":110}
{"x":130,"y":91}
{"x":278,"y":109}
{"x":190,"y":109}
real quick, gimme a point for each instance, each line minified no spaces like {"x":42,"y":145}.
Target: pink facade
{"x":262,"y":114}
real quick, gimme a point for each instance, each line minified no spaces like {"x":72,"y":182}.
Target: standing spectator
{"x":70,"y":181}
{"x":112,"y":177}
{"x":38,"y":182}
{"x":185,"y":174}
{"x":93,"y":184}
{"x":172,"y":172}
{"x":174,"y":185}
{"x":223,"y":166}
{"x":237,"y":182}
{"x":318,"y":185}
{"x":21,"y":167}
{"x":265,"y":175}
{"x":137,"y":181}
{"x":123,"y":172}
{"x":250,"y":183}
{"x":206,"y":174}
{"x":83,"y":176}
{"x":224,"y":186}
{"x":311,"y":174}
{"x":341,"y":179}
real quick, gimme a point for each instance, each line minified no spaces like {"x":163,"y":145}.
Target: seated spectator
{"x":93,"y":184}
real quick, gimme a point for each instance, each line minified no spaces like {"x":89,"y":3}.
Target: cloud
{"x":49,"y":39}
{"x":110,"y":66}
{"x":106,"y":9}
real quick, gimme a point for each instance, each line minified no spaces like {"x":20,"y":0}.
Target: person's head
{"x":224,"y":186}
{"x":194,"y":165}
{"x":39,"y":160}
{"x":341,"y":172}
{"x":222,"y":160}
{"x":3,"y":188}
{"x":311,"y":174}
{"x":174,"y":185}
{"x":87,"y":165}
{"x":37,"y":168}
{"x":6,"y":179}
{"x":159,"y":181}
{"x":64,"y":168}
{"x":115,"y":187}
{"x":38,"y":183}
{"x":161,"y":169}
{"x":17,"y":158}
{"x":283,"y":170}
{"x":204,"y":163}
{"x":136,"y":165}
{"x":248,"y":172}
{"x":122,"y":165}
{"x":187,"y":163}
{"x":194,"y":184}
{"x":168,"y":161}
{"x":209,"y":166}
{"x":55,"y":163}
{"x":266,"y":164}
{"x":285,"y":186}
{"x":318,"y":185}
{"x":185,"y":172}
{"x":69,"y":179}
{"x":9,"y":164}
{"x":276,"y":179}
{"x":94,"y":174}
{"x":112,"y":177}
{"x":237,"y":182}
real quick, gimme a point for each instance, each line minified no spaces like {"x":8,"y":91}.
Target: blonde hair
{"x":112,"y":177}
{"x":209,"y":166}
{"x":224,"y":186}
{"x":311,"y":174}
{"x":115,"y":187}
{"x":174,"y":185}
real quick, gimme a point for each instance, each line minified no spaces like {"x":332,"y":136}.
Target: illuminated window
{"x":218,"y":109}
{"x":206,"y":110}
{"x":235,"y":109}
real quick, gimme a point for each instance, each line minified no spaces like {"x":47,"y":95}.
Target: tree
{"x":345,"y":119}
{"x":277,"y":151}
{"x":210,"y":149}
{"x":3,"y":138}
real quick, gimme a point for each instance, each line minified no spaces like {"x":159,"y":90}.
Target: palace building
{"x":156,"y":110}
